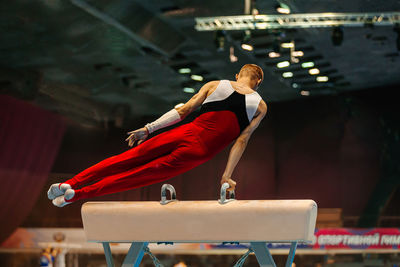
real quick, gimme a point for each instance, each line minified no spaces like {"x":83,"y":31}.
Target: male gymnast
{"x":230,"y":110}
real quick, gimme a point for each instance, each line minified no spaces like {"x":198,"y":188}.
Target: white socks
{"x":56,"y":190}
{"x":60,"y":200}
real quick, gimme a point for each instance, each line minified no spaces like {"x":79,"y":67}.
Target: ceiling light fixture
{"x":198,"y":78}
{"x":313,"y":71}
{"x":287,"y":74}
{"x":297,"y":53}
{"x":273,"y":54}
{"x":283,"y":64}
{"x":305,"y":93}
{"x":307,"y":64}
{"x":282,"y":8}
{"x":184,"y":70}
{"x":189,"y":90}
{"x":232,"y":56}
{"x":246,"y":45}
{"x":322,"y":79}
{"x":287,"y":45}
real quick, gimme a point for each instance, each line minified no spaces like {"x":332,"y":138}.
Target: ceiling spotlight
{"x":189,"y":90}
{"x":287,"y":45}
{"x":198,"y":78}
{"x":283,"y":64}
{"x":297,"y":53}
{"x":307,"y":64}
{"x":282,"y":8}
{"x":295,"y":85}
{"x":337,"y":36}
{"x":322,"y":79}
{"x":314,"y":71}
{"x":305,"y":93}
{"x":273,"y":54}
{"x":179,"y":105}
{"x":246,"y":45}
{"x":220,"y":40}
{"x":184,"y":70}
{"x":294,"y":60}
{"x":232,"y":56}
{"x":287,"y":74}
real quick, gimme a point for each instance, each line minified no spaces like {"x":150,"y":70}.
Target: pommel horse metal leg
{"x":264,"y":257}
{"x":133,"y":258}
{"x":107,"y":252}
{"x":135,"y":254}
{"x":292,"y":251}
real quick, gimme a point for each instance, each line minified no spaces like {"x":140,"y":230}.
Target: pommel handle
{"x":223,"y":199}
{"x":172,"y":192}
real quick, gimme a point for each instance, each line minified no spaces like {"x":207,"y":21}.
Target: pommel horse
{"x":257,"y":222}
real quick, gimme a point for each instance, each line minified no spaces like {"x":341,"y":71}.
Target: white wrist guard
{"x":168,"y":119}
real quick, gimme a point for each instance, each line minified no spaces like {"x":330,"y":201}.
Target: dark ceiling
{"x":94,"y":60}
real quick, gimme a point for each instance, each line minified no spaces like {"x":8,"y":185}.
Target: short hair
{"x":254,"y":71}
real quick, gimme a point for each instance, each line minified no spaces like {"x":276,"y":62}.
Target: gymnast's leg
{"x":149,"y":150}
{"x":186,"y":156}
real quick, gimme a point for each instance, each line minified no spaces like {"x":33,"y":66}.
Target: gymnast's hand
{"x":232,"y":183}
{"x":138,"y":135}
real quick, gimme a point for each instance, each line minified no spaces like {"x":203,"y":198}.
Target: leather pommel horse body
{"x":246,"y":221}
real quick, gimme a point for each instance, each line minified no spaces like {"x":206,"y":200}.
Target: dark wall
{"x":326,"y":149}
{"x":30,"y":138}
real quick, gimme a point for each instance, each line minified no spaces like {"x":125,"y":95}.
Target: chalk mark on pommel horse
{"x":257,"y":222}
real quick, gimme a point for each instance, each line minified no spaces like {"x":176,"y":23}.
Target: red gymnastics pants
{"x":157,"y":159}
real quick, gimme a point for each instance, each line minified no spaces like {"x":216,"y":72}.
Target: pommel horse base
{"x":171,"y":221}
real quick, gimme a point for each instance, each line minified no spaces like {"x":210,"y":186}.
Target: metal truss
{"x":306,"y":20}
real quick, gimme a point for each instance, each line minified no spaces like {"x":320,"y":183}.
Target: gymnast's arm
{"x":173,"y":116}
{"x":240,"y":145}
{"x":196,"y":100}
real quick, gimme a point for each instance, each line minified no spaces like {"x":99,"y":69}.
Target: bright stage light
{"x":274,"y":54}
{"x":322,"y":79}
{"x":305,"y":93}
{"x":287,"y":45}
{"x":246,"y":41}
{"x":287,"y":74}
{"x":283,"y":64}
{"x":247,"y":47}
{"x":313,"y":71}
{"x":307,"y":64}
{"x":184,"y":70}
{"x":189,"y":90}
{"x":282,"y":8}
{"x":297,"y":53}
{"x":198,"y":78}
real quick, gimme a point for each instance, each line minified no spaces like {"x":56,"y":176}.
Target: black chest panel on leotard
{"x":235,"y":102}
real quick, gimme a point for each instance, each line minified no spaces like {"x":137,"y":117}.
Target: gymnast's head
{"x":251,"y":73}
